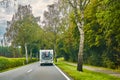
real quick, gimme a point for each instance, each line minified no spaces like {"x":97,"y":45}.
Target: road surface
{"x":34,"y":72}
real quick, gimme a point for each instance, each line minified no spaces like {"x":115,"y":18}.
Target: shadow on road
{"x":46,"y":64}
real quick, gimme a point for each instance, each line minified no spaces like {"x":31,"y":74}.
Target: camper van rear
{"x":46,"y":57}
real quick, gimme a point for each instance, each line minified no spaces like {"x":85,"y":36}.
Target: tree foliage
{"x":61,"y":30}
{"x":101,"y":34}
{"x":25,"y":32}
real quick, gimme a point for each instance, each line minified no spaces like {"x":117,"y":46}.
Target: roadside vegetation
{"x":86,"y":75}
{"x":8,"y":63}
{"x":59,"y":31}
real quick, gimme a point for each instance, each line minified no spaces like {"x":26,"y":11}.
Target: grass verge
{"x":86,"y":75}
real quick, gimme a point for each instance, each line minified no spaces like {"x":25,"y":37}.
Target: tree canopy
{"x":61,"y":31}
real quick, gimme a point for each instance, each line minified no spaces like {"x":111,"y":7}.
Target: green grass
{"x":102,"y":68}
{"x":86,"y":75}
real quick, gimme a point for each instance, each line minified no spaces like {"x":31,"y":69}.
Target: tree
{"x":94,"y":38}
{"x":5,"y":3}
{"x":23,"y":30}
{"x":79,"y":6}
{"x":26,"y":31}
{"x":108,"y":17}
{"x":52,"y":23}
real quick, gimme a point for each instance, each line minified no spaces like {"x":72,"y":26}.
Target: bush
{"x":3,"y":63}
{"x":6,"y":63}
{"x":14,"y":62}
{"x":108,"y":63}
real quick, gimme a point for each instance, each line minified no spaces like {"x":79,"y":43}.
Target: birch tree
{"x":51,"y":21}
{"x":79,"y":6}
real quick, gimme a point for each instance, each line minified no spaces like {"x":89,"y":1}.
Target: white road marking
{"x":62,"y":73}
{"x":29,"y":71}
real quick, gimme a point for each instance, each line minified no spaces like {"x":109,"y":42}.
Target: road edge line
{"x":62,"y":73}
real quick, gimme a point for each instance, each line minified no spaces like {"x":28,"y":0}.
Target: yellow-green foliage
{"x":6,"y":63}
{"x":3,"y":63}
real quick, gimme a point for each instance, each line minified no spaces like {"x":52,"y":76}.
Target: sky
{"x":38,"y":7}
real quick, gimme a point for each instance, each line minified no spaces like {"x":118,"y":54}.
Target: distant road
{"x":34,"y":72}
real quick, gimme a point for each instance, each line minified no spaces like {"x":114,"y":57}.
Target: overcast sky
{"x":38,"y":7}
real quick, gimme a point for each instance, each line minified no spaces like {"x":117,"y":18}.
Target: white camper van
{"x":46,"y":57}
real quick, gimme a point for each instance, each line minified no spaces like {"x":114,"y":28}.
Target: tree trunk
{"x":80,"y":54}
{"x":55,"y":55}
{"x":80,"y":23}
{"x":26,"y":53}
{"x":31,"y":55}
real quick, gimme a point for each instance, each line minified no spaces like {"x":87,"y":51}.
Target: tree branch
{"x":70,"y":2}
{"x":86,"y":3}
{"x":80,"y":5}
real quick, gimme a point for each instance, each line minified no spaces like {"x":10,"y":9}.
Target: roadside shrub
{"x":3,"y":63}
{"x":6,"y":63}
{"x":33,"y":60}
{"x":14,"y":62}
{"x":108,"y":63}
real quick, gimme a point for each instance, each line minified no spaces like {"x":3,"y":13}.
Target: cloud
{"x":5,"y":17}
{"x":45,"y":1}
{"x":40,"y":6}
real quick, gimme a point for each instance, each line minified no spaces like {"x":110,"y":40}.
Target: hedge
{"x":6,"y":63}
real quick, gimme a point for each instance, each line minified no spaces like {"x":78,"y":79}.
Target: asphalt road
{"x":34,"y":72}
